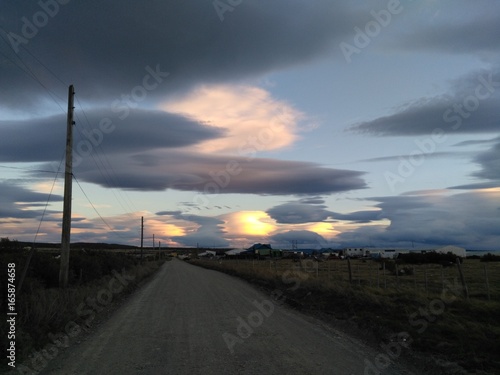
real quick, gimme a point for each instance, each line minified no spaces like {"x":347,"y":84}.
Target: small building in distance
{"x":265,"y":250}
{"x":356,"y":252}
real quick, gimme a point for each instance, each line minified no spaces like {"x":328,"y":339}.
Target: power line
{"x":30,"y":73}
{"x":105,"y":165}
{"x":48,"y":200}
{"x":95,"y":209}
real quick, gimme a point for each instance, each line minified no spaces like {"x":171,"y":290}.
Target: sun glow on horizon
{"x":252,"y":223}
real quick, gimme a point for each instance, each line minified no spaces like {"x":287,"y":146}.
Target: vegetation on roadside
{"x":47,"y":316}
{"x":442,"y":325}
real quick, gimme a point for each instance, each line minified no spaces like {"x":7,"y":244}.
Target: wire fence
{"x":475,"y":279}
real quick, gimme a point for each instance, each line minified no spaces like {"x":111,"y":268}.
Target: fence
{"x":480,"y":280}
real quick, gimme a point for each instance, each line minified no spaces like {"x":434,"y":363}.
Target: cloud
{"x":253,"y":121}
{"x":139,"y":130}
{"x":298,"y":213}
{"x":86,"y":44}
{"x":214,"y":174}
{"x":473,"y":32}
{"x":490,"y":164}
{"x":305,"y":238}
{"x":471,"y":107}
{"x":359,"y":217}
{"x":208,"y":231}
{"x":468,"y":219}
{"x":245,"y":227}
{"x":399,"y":157}
{"x":18,"y":202}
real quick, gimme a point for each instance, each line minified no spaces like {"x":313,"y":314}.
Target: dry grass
{"x":443,"y":324}
{"x":43,"y":311}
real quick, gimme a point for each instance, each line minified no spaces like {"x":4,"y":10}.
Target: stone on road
{"x":190,"y":320}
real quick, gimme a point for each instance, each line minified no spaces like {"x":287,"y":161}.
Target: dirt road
{"x":189,"y":320}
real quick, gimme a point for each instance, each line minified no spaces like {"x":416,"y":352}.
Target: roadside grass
{"x":438,"y":320}
{"x":45,"y":311}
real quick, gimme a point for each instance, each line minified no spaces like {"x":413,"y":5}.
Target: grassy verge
{"x":49,"y":318}
{"x":442,"y":325}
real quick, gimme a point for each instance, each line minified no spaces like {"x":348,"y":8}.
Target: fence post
{"x":383,"y":273}
{"x":425,"y":274}
{"x":397,"y":274}
{"x":442,"y":278}
{"x":487,"y":281}
{"x":378,"y":277}
{"x":350,"y":271}
{"x":414,"y":278}
{"x":371,"y":276}
{"x":462,"y":278}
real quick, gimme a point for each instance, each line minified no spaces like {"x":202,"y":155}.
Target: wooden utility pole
{"x":462,"y":278}
{"x":68,"y":180}
{"x":142,"y":234}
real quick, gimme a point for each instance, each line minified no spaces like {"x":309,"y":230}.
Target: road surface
{"x":189,"y":320}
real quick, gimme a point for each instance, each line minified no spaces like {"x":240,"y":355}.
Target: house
{"x":265,"y":250}
{"x":356,"y":252}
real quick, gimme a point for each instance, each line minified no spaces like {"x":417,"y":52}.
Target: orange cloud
{"x":252,"y":119}
{"x":249,"y":223}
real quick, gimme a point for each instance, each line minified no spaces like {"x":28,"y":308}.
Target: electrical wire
{"x":95,"y":209}
{"x":98,"y":160}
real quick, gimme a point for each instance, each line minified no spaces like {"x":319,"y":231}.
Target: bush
{"x":428,"y":257}
{"x":490,"y":258}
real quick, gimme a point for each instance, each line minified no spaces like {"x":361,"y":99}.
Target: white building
{"x":356,"y":252}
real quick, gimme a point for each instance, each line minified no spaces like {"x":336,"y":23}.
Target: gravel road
{"x":189,"y":320}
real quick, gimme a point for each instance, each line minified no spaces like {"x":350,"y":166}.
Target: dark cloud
{"x":88,"y":43}
{"x":473,"y":142}
{"x":213,"y":174}
{"x":298,"y":212}
{"x":208,"y":234}
{"x":475,"y":34}
{"x":490,"y":164}
{"x":305,"y":238}
{"x":399,"y":157}
{"x":15,"y":200}
{"x":359,"y":217}
{"x":471,"y":107}
{"x":312,"y":200}
{"x":433,"y":219}
{"x":44,"y":139}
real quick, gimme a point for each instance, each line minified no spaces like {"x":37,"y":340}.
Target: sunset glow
{"x":250,"y":117}
{"x":250,"y":223}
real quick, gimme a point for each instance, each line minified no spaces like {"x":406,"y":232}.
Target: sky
{"x":230,"y":122}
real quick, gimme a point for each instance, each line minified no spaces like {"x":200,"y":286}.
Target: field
{"x":426,"y":304}
{"x":47,"y":314}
